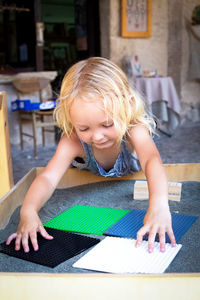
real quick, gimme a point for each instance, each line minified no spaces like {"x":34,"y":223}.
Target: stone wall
{"x":190,"y":89}
{"x":166,"y":51}
{"x":174,"y":59}
{"x":152,"y":51}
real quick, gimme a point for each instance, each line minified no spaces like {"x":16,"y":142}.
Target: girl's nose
{"x":97,"y":136}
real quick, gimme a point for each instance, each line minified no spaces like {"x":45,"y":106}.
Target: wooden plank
{"x":175,"y":172}
{"x":1,"y":101}
{"x":183,"y":172}
{"x":6,"y":171}
{"x":99,"y":286}
{"x":15,"y":197}
{"x":45,"y":124}
{"x":141,"y":192}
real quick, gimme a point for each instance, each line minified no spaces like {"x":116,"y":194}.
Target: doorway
{"x":17,"y":36}
{"x":71,"y":33}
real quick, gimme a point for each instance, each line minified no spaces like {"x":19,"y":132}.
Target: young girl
{"x":106,"y":131}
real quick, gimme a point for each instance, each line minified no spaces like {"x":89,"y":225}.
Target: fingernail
{"x":174,"y":245}
{"x":36,"y":248}
{"x":17,"y":248}
{"x":150,"y":250}
{"x":162,"y":249}
{"x":26,"y":250}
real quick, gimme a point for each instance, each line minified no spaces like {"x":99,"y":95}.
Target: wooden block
{"x":141,"y":190}
{"x":174,"y":191}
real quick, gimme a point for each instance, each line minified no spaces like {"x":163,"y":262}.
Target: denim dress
{"x":126,"y":163}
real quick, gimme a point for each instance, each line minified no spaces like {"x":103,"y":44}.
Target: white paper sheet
{"x":119,"y":255}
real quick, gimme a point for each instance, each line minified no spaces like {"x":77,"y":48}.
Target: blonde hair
{"x":99,"y":78}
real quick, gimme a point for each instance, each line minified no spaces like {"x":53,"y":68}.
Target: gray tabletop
{"x":115,"y":194}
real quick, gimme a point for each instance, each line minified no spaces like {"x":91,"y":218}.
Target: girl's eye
{"x":108,"y":125}
{"x":83,"y":129}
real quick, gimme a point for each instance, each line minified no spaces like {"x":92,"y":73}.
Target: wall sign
{"x":136,"y":18}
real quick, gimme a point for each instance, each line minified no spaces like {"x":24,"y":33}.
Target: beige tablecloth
{"x":162,"y":99}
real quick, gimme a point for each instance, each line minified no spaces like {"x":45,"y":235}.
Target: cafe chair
{"x":38,"y":118}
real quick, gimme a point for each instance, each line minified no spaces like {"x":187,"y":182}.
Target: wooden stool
{"x":36,"y":117}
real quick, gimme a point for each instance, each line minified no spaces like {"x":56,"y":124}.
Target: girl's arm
{"x":158,"y":217}
{"x":40,"y":191}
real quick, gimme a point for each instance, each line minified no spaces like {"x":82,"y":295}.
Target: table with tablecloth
{"x":162,"y":100}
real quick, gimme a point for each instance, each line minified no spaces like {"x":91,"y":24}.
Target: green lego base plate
{"x":87,"y":219}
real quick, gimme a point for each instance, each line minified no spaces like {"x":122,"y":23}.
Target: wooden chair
{"x":38,"y":118}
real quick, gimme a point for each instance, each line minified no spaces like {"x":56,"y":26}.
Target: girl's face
{"x":92,"y":124}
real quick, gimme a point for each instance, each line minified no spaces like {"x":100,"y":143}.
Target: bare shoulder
{"x":70,"y":146}
{"x":142,"y":142}
{"x":139,"y":129}
{"x":139,"y":134}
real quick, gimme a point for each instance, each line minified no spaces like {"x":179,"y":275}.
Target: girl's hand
{"x":29,"y":225}
{"x":156,"y":221}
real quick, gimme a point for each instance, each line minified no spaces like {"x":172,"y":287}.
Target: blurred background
{"x":156,"y":43}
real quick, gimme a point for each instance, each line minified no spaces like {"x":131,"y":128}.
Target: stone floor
{"x":182,"y":147}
